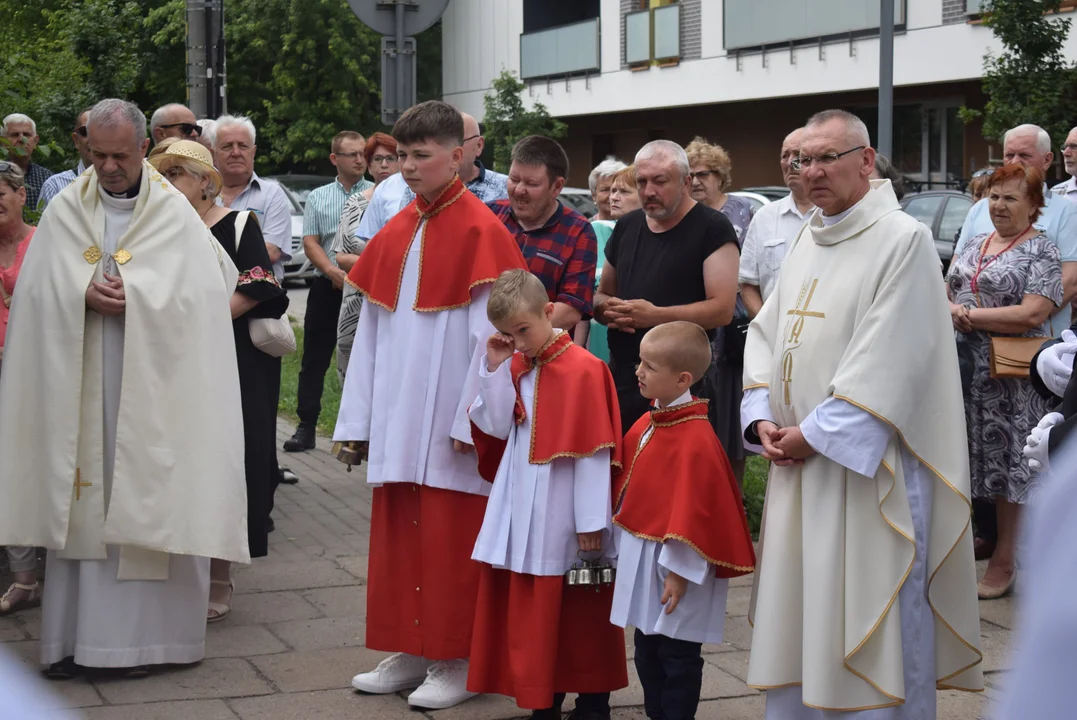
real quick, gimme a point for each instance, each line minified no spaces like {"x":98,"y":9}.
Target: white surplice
{"x":857,"y":440}
{"x":411,"y":377}
{"x":642,"y":567}
{"x":86,"y":612}
{"x":535,"y":511}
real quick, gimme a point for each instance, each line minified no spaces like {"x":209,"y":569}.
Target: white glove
{"x":1036,"y":446}
{"x":1055,"y":364}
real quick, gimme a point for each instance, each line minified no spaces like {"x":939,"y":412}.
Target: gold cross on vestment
{"x":795,"y":328}
{"x":79,"y":484}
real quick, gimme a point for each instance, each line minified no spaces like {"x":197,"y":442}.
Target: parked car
{"x":579,"y":199}
{"x":298,"y":269}
{"x":757,"y":200}
{"x":944,"y":212}
{"x":301,"y":185}
{"x":772,"y":192}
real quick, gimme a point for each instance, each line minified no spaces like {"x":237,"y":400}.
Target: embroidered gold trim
{"x":122,"y":257}
{"x":689,"y":543}
{"x":644,"y":439}
{"x":931,"y":579}
{"x":753,"y":387}
{"x":92,"y":255}
{"x":424,"y":218}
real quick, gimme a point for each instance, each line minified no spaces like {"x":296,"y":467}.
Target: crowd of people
{"x":675,"y":333}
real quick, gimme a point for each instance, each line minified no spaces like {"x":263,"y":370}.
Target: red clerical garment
{"x":679,"y":485}
{"x":575,"y":413}
{"x":469,"y":247}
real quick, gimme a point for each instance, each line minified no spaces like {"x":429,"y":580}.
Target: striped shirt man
{"x":52,"y":187}
{"x":324,"y":207}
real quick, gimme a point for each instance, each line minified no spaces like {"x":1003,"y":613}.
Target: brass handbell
{"x":351,"y":452}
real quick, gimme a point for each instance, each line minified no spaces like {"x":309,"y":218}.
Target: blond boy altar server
{"x":865,"y":597}
{"x":126,"y":459}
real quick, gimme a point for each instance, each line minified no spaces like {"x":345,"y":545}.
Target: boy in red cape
{"x":681,"y":527}
{"x":426,"y":277}
{"x":550,"y":458}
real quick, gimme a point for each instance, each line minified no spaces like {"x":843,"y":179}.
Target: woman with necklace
{"x":1006,"y":283}
{"x":189,"y":167}
{"x":15,"y":236}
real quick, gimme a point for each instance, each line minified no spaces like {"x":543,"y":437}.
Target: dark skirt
{"x":259,"y":386}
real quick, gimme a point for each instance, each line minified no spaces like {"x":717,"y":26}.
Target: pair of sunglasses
{"x":16,"y":172}
{"x":185,"y":128}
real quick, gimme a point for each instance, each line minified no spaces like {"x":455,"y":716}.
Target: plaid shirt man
{"x":562,"y":253}
{"x":35,"y":178}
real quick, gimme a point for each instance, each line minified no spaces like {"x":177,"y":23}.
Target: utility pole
{"x":206,"y":86}
{"x":885,"y":143}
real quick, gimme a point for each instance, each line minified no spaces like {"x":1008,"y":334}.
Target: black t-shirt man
{"x":666,"y":269}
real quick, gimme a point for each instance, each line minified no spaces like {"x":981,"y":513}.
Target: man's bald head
{"x":473,"y":147}
{"x":166,"y":120}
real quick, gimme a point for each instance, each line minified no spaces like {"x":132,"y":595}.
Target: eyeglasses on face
{"x":81,"y":130}
{"x":379,"y":159}
{"x":701,"y":175}
{"x":1069,"y":146}
{"x":473,"y":137}
{"x":350,"y":156}
{"x":806,"y":161}
{"x":185,"y":128}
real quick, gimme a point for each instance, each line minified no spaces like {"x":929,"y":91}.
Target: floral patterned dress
{"x":1000,"y":413}
{"x":258,"y":373}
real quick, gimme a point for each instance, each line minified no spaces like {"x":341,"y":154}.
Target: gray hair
{"x":113,"y":112}
{"x":20,"y":119}
{"x":227,"y":121}
{"x":209,"y":131}
{"x":199,"y":171}
{"x":1043,"y":140}
{"x":853,"y":125}
{"x":160,"y":115}
{"x":609,"y":166}
{"x":666,"y":148}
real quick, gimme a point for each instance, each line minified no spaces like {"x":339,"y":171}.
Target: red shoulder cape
{"x":575,"y":413}
{"x":680,"y":485}
{"x":469,"y":247}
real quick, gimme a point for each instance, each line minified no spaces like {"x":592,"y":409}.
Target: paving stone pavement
{"x":296,"y":632}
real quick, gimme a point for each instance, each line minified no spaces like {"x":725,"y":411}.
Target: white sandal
{"x":33,"y":598}
{"x":221,"y":609}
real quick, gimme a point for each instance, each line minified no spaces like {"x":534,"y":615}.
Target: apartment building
{"x":741,"y":73}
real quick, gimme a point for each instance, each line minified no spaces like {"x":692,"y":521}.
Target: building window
{"x":929,"y":142}
{"x":653,"y":34}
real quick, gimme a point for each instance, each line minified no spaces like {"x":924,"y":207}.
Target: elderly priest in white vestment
{"x":126,"y":458}
{"x":865,"y":597}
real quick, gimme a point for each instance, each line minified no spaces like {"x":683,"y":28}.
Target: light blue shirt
{"x":321,"y":214}
{"x":267,"y":200}
{"x":1058,"y":220}
{"x":56,"y":183}
{"x":384,"y":204}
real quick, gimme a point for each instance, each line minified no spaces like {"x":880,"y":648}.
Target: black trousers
{"x":985,"y":519}
{"x":319,"y":345}
{"x":598,"y":703}
{"x":671,"y":672}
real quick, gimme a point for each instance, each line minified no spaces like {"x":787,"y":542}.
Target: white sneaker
{"x":445,"y":686}
{"x":393,"y":674}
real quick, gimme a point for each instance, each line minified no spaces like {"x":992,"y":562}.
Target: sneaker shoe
{"x":303,"y":439}
{"x":445,"y":686}
{"x":393,"y":674}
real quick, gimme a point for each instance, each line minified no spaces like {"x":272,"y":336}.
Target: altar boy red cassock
{"x":550,"y":460}
{"x":422,"y":329}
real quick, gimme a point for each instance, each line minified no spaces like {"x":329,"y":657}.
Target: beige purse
{"x":273,"y":336}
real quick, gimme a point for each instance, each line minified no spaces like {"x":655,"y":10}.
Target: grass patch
{"x":289,"y":388}
{"x":755,"y":471}
{"x":755,"y":489}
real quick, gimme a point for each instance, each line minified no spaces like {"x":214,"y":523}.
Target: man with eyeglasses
{"x":174,"y":120}
{"x":852,"y":391}
{"x":59,"y":181}
{"x":1068,"y":189}
{"x":21,"y":132}
{"x":321,"y":218}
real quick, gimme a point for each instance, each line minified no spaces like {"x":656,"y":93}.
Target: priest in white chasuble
{"x":865,"y":596}
{"x":125,"y":453}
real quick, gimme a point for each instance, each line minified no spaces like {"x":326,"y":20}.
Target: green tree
{"x":1032,"y":81}
{"x":507,"y":120}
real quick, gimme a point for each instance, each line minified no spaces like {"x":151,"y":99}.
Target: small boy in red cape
{"x":426,"y":278}
{"x":681,"y":527}
{"x":550,"y":460}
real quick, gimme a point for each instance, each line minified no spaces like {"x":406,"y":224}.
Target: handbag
{"x":1011,"y":357}
{"x":273,"y":336}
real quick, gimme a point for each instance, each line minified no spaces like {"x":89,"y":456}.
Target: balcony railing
{"x":761,"y":23}
{"x":565,"y":50}
{"x":653,"y":36}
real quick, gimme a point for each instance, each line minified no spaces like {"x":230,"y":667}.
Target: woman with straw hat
{"x":189,"y":167}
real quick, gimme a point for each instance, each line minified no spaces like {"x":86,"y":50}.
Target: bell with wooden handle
{"x":351,"y":452}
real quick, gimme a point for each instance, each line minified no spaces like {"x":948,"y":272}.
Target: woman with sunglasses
{"x":381,"y":161}
{"x":15,"y":236}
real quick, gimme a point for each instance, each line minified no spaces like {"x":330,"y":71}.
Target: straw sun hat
{"x":186,"y":150}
